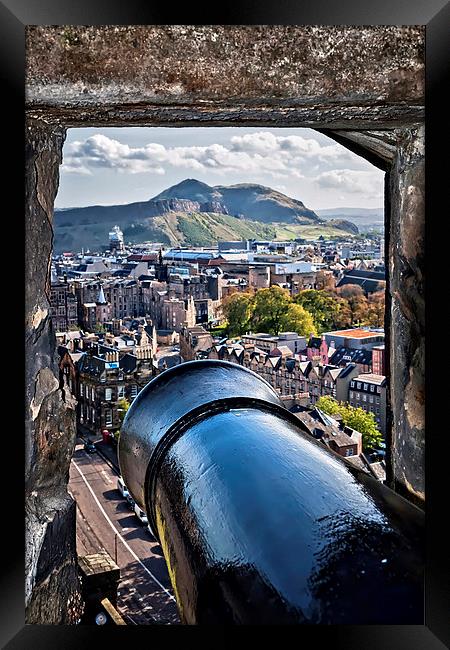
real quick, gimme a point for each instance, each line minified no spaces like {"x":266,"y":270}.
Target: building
{"x":368,"y":391}
{"x":194,"y":341}
{"x":301,"y":381}
{"x":116,"y":239}
{"x":268,"y":342}
{"x":326,"y":429}
{"x":63,"y":306}
{"x":259,"y":277}
{"x":369,"y":281}
{"x":105,"y":376}
{"x":317,"y":349}
{"x":378,"y":360}
{"x":356,"y":338}
{"x":360,"y":356}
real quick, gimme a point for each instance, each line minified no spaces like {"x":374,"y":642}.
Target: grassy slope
{"x":290,"y":231}
{"x":194,"y":229}
{"x":203,"y":229}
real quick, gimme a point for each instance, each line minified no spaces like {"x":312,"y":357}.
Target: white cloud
{"x":260,"y":154}
{"x":366,"y":183}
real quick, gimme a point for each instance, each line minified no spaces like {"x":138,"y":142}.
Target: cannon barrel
{"x":259,"y":522}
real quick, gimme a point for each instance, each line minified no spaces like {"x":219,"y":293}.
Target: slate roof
{"x":369,"y":286}
{"x":355,"y":356}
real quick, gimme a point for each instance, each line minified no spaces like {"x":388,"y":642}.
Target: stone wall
{"x":52,"y":586}
{"x":407,"y":312}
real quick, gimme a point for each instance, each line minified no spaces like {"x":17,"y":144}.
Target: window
{"x":133,"y":391}
{"x":371,"y":399}
{"x":372,"y":388}
{"x":108,"y":394}
{"x":357,"y":396}
{"x":108,"y":417}
{"x":349,"y":452}
{"x":378,"y":390}
{"x":120,"y":392}
{"x":365,"y":386}
{"x":92,"y":393}
{"x":81,"y":389}
{"x":364,"y":397}
{"x":351,"y":394}
{"x":358,"y":385}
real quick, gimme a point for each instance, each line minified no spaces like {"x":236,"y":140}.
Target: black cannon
{"x":259,"y":522}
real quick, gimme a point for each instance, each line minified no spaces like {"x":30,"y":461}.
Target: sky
{"x":111,"y":166}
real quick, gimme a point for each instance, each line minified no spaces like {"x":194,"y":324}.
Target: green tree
{"x":237,"y":309}
{"x":324,"y":307}
{"x":269,"y":309}
{"x":355,"y":418}
{"x":297,"y":319}
{"x":122,"y":407}
{"x":328,"y":404}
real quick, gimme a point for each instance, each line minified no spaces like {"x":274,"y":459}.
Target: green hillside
{"x":187,"y":229}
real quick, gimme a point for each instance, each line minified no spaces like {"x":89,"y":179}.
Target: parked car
{"x":140,"y":514}
{"x":122,"y":487}
{"x":89,"y":447}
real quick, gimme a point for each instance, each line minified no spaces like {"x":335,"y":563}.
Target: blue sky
{"x":122,"y":165}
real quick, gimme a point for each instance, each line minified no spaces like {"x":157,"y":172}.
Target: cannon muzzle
{"x":259,"y":522}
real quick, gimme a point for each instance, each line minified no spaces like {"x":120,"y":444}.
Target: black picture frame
{"x":14,"y":16}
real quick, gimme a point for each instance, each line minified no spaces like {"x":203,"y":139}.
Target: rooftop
{"x":355,"y":333}
{"x":370,"y":378}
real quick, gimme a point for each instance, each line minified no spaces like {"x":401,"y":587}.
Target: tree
{"x":357,"y":303}
{"x":122,"y":407}
{"x":297,"y":319}
{"x":269,"y":309}
{"x":328,"y":405}
{"x":99,"y":329}
{"x":237,"y":309}
{"x":355,"y":418}
{"x":323,"y":307}
{"x":376,"y":308}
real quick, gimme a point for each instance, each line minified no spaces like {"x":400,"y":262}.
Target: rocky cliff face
{"x":52,"y":587}
{"x":163,"y":206}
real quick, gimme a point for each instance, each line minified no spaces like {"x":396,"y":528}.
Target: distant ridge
{"x":188,"y":212}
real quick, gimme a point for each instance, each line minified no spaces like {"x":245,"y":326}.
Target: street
{"x":105,"y":521}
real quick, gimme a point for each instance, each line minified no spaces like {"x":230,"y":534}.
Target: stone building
{"x":105,"y":376}
{"x":268,"y":342}
{"x":361,"y":357}
{"x":368,"y":391}
{"x":304,"y":380}
{"x":63,"y":307}
{"x":194,"y":340}
{"x":317,"y":349}
{"x":259,"y":277}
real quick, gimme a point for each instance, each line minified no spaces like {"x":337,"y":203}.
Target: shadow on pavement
{"x":113,"y":495}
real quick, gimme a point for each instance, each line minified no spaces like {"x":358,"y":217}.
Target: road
{"x":105,"y":521}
